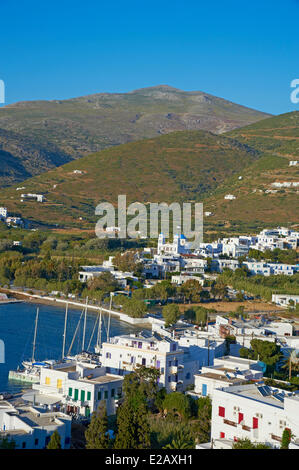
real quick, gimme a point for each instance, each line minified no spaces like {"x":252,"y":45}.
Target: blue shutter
{"x":204,"y":390}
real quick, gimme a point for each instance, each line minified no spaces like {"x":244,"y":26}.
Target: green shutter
{"x":76,"y":395}
{"x":70,"y":392}
{"x":88,"y":395}
{"x":82,"y":395}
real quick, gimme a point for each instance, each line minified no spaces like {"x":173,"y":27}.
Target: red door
{"x":241,"y":417}
{"x":255,"y":423}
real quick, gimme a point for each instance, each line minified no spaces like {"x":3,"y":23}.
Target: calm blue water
{"x":17,"y":331}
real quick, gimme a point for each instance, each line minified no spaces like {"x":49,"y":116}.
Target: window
{"x":204,"y":390}
{"x":143,"y":361}
{"x":241,"y":418}
{"x":112,"y":392}
{"x":23,"y":445}
{"x":35,"y":442}
{"x":108,"y":355}
{"x":222,"y":435}
{"x":70,"y":391}
{"x":99,"y":395}
{"x":221,"y":411}
{"x":106,"y":394}
{"x":88,"y":395}
{"x":59,"y":383}
{"x":47,"y":381}
{"x":255,"y":423}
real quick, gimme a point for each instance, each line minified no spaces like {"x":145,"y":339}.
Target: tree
{"x":202,"y":428}
{"x":105,"y":282}
{"x":219,"y":290}
{"x":182,"y":440}
{"x":97,"y":432}
{"x":177,"y":403}
{"x":286,"y":438}
{"x":191,"y":290}
{"x":134,"y":308}
{"x":143,"y":380}
{"x":291,"y":363}
{"x":171,"y":314}
{"x":6,"y":443}
{"x":133,"y":429}
{"x":247,"y":444}
{"x":265,"y":351}
{"x":125,"y":261}
{"x":55,"y":441}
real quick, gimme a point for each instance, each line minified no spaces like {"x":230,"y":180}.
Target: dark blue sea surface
{"x":17,"y":331}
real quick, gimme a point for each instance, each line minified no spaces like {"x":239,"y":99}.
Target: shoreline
{"x":35,"y":298}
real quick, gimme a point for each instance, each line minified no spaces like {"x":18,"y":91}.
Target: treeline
{"x":263,"y":286}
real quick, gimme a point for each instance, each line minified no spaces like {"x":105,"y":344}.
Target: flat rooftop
{"x":222,"y":378}
{"x":251,"y":391}
{"x":101,"y":379}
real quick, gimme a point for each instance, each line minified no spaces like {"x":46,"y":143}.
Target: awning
{"x":40,"y":399}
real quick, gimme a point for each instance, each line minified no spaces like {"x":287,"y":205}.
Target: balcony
{"x":275,"y":438}
{"x":246,"y":428}
{"x":230,"y":423}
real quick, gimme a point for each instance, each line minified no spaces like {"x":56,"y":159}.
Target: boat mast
{"x":75,"y":334}
{"x":64,"y":332}
{"x":109,"y":318}
{"x":99,"y":338}
{"x":35,"y":330}
{"x":84,"y":327}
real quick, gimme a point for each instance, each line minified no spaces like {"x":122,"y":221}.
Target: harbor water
{"x":17,"y":332}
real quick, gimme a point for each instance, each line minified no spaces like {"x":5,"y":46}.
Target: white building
{"x":3,"y":212}
{"x":285,"y":300}
{"x":78,"y":388}
{"x":123,"y":353}
{"x":226,"y":371}
{"x":257,"y":412}
{"x":183,"y":277}
{"x":31,"y":427}
{"x":229,"y":197}
{"x":293,"y":163}
{"x":178,"y":246}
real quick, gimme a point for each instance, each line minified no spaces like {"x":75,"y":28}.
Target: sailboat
{"x":31,"y":369}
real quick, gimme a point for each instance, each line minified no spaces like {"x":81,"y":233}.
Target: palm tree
{"x":180,"y":441}
{"x":291,"y":362}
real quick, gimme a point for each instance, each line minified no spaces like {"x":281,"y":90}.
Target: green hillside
{"x":180,"y":166}
{"x":51,"y":133}
{"x":257,"y":200}
{"x":21,"y":157}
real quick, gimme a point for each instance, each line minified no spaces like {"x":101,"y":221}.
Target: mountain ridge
{"x":69,"y":129}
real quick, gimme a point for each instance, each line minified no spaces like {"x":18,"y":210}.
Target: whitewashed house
{"x":31,"y":427}
{"x":254,"y":411}
{"x":78,"y":388}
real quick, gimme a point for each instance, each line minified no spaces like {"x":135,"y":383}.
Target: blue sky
{"x":246,"y":52}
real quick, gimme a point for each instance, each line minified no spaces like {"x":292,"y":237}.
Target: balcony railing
{"x":275,"y":438}
{"x":231,"y":423}
{"x":246,"y":428}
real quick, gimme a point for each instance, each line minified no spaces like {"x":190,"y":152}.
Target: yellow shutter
{"x":59,"y":383}
{"x":47,"y":381}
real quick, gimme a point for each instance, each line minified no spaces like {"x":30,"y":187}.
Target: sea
{"x":17,"y":324}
